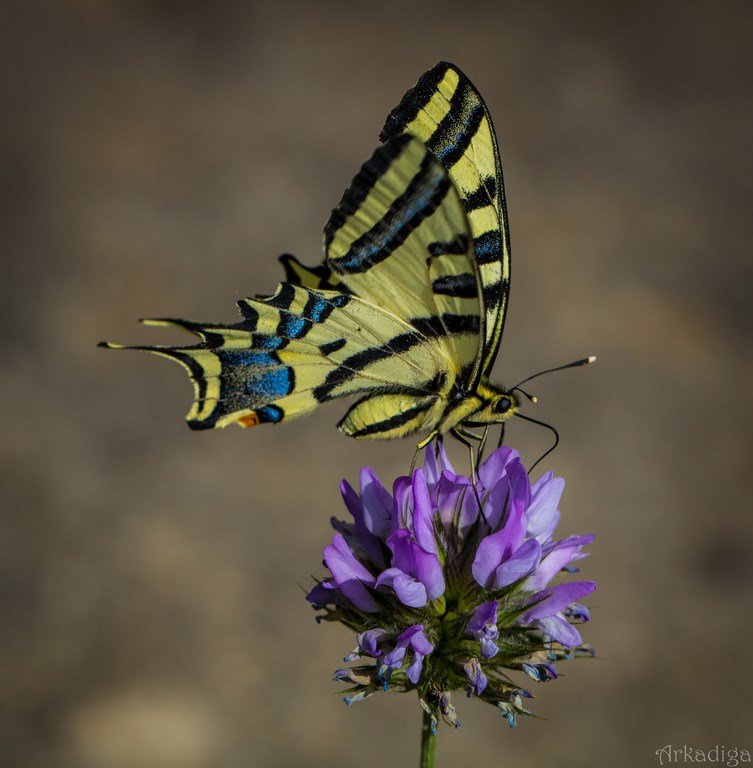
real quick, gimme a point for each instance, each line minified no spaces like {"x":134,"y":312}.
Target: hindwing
{"x":295,"y":350}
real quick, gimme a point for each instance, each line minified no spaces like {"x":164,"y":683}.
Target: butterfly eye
{"x":502,"y":405}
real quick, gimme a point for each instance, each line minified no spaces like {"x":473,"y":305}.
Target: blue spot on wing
{"x":269,"y":413}
{"x":248,"y":357}
{"x":340,"y":301}
{"x":259,"y":375}
{"x":293,"y":327}
{"x":261,"y":341}
{"x":318,"y":308}
{"x":272,"y":385}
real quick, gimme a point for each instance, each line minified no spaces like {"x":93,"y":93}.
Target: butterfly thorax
{"x":487,"y":404}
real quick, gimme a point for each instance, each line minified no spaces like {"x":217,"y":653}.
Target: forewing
{"x":446,"y":113}
{"x":400,"y":239}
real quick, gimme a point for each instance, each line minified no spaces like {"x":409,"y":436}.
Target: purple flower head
{"x":448,"y":594}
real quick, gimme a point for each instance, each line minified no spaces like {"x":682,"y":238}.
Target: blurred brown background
{"x":157,"y":156}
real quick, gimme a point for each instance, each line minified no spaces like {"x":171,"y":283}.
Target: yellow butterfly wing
{"x":445,"y":112}
{"x":305,"y":346}
{"x":399,"y":239}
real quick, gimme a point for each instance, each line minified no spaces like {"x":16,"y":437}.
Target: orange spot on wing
{"x":249,"y":420}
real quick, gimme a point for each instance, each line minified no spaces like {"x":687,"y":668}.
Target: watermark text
{"x":731,"y":757}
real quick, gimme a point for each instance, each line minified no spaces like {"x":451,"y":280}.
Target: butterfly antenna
{"x":551,"y":429}
{"x":532,"y":398}
{"x":574,"y":364}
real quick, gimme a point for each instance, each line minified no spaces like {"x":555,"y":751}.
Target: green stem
{"x":428,"y":742}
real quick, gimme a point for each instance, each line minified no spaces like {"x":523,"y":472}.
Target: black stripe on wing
{"x":482,"y":196}
{"x":414,"y":100}
{"x":422,"y":196}
{"x":458,"y":127}
{"x":463,"y":286}
{"x":318,"y":276}
{"x":428,"y":326}
{"x":362,"y":184}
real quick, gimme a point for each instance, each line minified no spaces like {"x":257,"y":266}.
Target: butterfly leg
{"x":460,"y":435}
{"x":420,"y":447}
{"x":482,"y":444}
{"x":501,"y":435}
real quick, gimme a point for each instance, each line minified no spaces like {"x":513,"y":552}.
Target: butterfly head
{"x":505,"y":405}
{"x":498,"y":404}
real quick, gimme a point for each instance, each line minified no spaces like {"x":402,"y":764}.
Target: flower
{"x":454,"y":588}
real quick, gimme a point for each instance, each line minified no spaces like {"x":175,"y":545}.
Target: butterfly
{"x":408,"y":307}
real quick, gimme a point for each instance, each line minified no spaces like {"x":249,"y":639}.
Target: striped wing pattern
{"x":399,"y":325}
{"x":399,"y":239}
{"x":445,"y":112}
{"x":295,"y":350}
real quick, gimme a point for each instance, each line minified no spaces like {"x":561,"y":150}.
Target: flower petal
{"x":409,"y":590}
{"x":368,"y":641}
{"x":496,"y":502}
{"x":554,"y":599}
{"x":489,"y":649}
{"x":414,"y":670}
{"x":523,"y":561}
{"x":414,"y":638}
{"x":483,"y":626}
{"x":349,"y":574}
{"x":413,"y":560}
{"x":495,"y":466}
{"x":483,"y":615}
{"x":432,"y":469}
{"x":370,"y":544}
{"x":324,"y":593}
{"x":560,"y":631}
{"x":402,"y":551}
{"x":543,"y":514}
{"x":498,"y":547}
{"x":402,"y":516}
{"x":520,"y":485}
{"x":423,"y":515}
{"x":377,"y":504}
{"x":418,"y":639}
{"x":455,"y":499}
{"x":428,"y":571}
{"x":476,"y":676}
{"x":395,"y":657}
{"x":436,"y":464}
{"x":555,"y":559}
